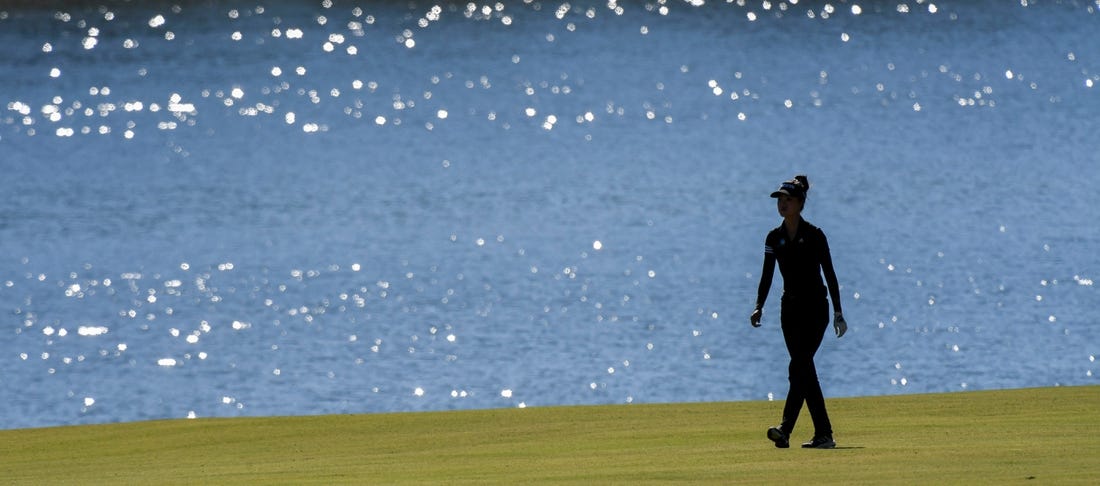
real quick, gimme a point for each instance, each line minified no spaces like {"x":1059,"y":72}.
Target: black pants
{"x":804,"y":323}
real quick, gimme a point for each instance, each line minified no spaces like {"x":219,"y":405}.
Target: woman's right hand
{"x":754,"y":319}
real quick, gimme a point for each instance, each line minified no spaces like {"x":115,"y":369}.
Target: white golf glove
{"x":839,"y":324}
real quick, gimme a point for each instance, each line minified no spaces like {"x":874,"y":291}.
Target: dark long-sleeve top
{"x":802,"y":261}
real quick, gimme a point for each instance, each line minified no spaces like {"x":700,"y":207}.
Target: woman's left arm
{"x":839,"y":323}
{"x":830,"y":273}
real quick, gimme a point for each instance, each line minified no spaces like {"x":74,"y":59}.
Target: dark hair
{"x":803,"y":183}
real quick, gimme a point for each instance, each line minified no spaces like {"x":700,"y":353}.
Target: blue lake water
{"x":219,"y":209}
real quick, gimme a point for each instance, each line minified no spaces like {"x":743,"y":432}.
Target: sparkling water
{"x":230,"y":209}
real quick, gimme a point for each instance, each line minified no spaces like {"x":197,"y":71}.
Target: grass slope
{"x":1048,"y":434}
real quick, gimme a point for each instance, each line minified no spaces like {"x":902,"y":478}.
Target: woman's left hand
{"x":839,"y":324}
{"x":754,"y":319}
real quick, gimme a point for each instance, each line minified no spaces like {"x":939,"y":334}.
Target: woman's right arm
{"x":766,"y":275}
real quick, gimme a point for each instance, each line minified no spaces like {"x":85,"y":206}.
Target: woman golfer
{"x":803,"y":256}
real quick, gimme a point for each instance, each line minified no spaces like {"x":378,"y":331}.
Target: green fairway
{"x":1047,"y":434}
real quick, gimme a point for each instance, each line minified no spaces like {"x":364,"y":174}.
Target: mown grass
{"x":1013,"y":436}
